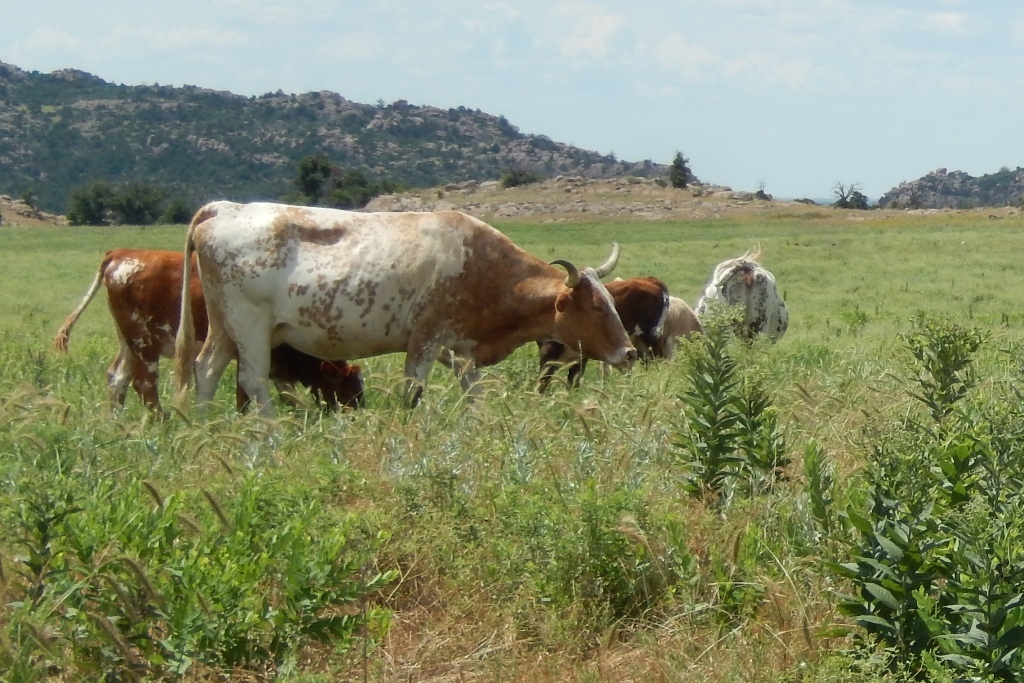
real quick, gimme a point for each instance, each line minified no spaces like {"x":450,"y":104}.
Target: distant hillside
{"x":61,"y":130}
{"x":957,"y":190}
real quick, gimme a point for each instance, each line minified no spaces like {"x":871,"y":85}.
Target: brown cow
{"x":642,"y":304}
{"x":144,"y":294}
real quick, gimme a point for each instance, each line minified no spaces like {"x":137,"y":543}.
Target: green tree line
{"x":317,"y":182}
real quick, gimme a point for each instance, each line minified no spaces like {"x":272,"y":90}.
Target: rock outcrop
{"x":942,"y":189}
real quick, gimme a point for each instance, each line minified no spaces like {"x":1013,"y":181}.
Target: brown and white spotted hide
{"x":746,"y":283}
{"x":343,"y":284}
{"x":642,"y":304}
{"x":144,"y":295}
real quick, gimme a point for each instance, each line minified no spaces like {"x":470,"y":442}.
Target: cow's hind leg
{"x":254,"y":372}
{"x":145,"y":375}
{"x":217,"y":352}
{"x":119,"y":376}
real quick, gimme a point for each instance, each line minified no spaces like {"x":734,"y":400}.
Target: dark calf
{"x":642,"y":304}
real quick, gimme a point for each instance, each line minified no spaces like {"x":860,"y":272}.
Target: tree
{"x":137,"y":204}
{"x":90,"y":205}
{"x":311,"y":177}
{"x":679,"y":171}
{"x":849,"y":196}
{"x":349,"y":190}
{"x":519,"y":176}
{"x":320,"y":182}
{"x":178,"y":212}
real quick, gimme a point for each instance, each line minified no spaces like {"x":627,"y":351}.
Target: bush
{"x":90,"y":205}
{"x":517,"y":177}
{"x":99,"y":203}
{"x":133,"y":583}
{"x":321,"y":183}
{"x":730,"y":433}
{"x":137,"y":204}
{"x":178,"y":212}
{"x":937,"y":553}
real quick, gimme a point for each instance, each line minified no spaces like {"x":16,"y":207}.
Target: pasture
{"x":572,"y":536}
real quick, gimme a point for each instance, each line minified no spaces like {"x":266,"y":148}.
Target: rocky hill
{"x":19,"y":212}
{"x":942,"y":189}
{"x":59,"y":131}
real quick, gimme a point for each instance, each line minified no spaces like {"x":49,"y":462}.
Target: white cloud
{"x":173,"y":39}
{"x":590,"y":31}
{"x":47,"y":39}
{"x":505,"y":8}
{"x":693,"y":62}
{"x":277,"y":11}
{"x":771,"y":69}
{"x":353,"y":47}
{"x":946,"y":22}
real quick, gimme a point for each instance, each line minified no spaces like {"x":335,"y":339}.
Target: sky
{"x":789,"y":95}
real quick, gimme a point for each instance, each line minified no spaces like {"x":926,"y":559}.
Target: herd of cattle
{"x":293,"y":293}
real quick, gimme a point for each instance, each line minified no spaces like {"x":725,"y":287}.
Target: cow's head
{"x":585,"y":316}
{"x":341,"y":383}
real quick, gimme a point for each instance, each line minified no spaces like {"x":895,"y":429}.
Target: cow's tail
{"x":185,"y":347}
{"x":60,"y":342}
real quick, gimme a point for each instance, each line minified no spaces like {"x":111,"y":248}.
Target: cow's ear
{"x":562,"y":302}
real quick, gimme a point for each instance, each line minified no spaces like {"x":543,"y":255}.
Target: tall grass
{"x":531,"y":537}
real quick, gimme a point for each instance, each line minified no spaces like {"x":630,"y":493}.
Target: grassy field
{"x":520,"y":537}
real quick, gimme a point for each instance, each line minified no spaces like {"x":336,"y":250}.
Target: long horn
{"x":574,"y":275}
{"x":608,"y":266}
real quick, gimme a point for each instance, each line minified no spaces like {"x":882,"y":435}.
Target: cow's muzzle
{"x":626,"y":358}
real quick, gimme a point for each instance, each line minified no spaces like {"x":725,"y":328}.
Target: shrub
{"x":100,"y":203}
{"x":178,"y":212}
{"x":516,"y":177}
{"x":321,"y":183}
{"x":731,"y":430}
{"x":937,"y":556}
{"x":137,"y":204}
{"x":90,"y":205}
{"x":131,"y":582}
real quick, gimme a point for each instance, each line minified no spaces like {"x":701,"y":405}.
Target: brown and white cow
{"x":642,"y":304}
{"x":143,"y":292}
{"x":343,"y":284}
{"x":746,"y":283}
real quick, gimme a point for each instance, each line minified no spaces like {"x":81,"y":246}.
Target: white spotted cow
{"x":343,"y":284}
{"x":746,"y":283}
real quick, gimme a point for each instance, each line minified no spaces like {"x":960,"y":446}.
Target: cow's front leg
{"x":468,"y":373}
